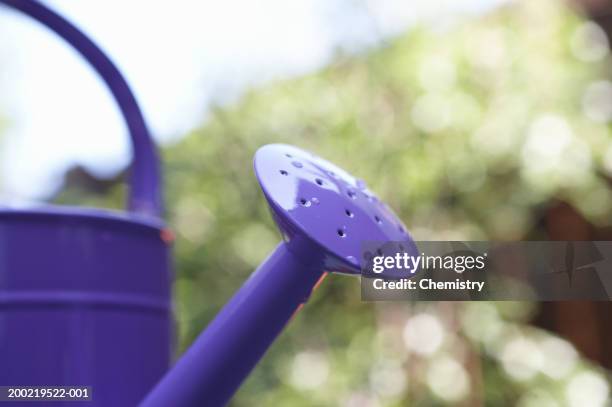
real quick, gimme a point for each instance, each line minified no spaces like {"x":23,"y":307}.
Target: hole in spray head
{"x":341,"y":233}
{"x":297,"y":164}
{"x":319,"y":181}
{"x":288,"y":155}
{"x":351,"y":194}
{"x":304,"y":202}
{"x":283,"y":172}
{"x":349,"y":213}
{"x":377,"y":219}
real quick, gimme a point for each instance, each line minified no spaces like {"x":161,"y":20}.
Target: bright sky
{"x":178,"y":56}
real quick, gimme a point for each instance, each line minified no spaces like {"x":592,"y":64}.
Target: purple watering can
{"x":85,"y":293}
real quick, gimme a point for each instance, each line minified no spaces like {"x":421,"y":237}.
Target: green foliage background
{"x":447,"y":125}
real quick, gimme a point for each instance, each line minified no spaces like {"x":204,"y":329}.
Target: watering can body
{"x":84,"y":301}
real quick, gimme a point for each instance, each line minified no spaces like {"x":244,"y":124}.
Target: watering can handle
{"x":145,"y":194}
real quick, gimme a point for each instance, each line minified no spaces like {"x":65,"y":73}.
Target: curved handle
{"x":145,"y":195}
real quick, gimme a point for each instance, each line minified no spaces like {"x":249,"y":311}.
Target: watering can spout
{"x":215,"y":365}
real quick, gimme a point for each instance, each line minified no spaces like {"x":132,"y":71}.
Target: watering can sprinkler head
{"x":324,"y":215}
{"x":322,"y":210}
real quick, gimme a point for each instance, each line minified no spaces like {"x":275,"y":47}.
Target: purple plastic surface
{"x":309,"y":198}
{"x":316,"y":203}
{"x":84,"y":300}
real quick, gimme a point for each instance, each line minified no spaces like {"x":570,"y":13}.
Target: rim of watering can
{"x":145,"y":189}
{"x":82,"y":213}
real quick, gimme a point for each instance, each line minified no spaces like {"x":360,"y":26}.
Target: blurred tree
{"x":470,"y":131}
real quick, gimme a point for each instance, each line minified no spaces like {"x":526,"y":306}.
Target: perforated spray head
{"x":315,"y":201}
{"x":324,"y":215}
